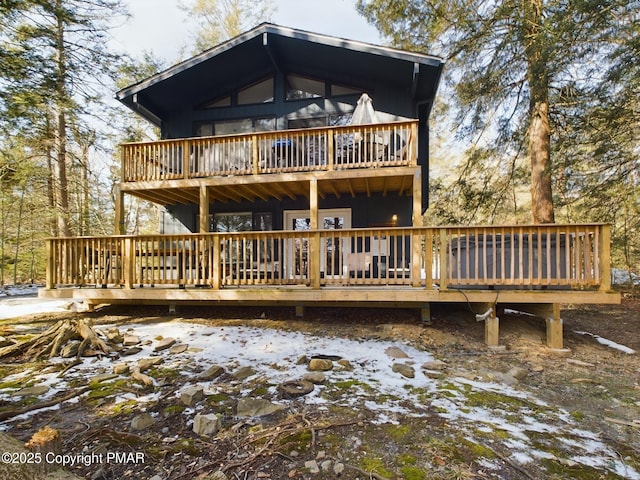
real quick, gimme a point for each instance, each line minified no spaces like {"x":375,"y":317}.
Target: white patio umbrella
{"x":364,"y":111}
{"x":363,"y":114}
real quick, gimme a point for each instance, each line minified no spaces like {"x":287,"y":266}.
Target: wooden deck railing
{"x":304,"y":150}
{"x":516,"y":257}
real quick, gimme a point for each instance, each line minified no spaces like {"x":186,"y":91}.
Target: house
{"x":293,"y":169}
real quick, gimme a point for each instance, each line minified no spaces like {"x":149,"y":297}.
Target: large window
{"x":299,"y":88}
{"x":302,"y":87}
{"x":241,"y":222}
{"x":230,"y":127}
{"x":259,"y":92}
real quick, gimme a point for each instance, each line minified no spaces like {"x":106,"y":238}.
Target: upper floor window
{"x":259,"y":92}
{"x":337,"y":90}
{"x":301,"y":87}
{"x":218,"y":102}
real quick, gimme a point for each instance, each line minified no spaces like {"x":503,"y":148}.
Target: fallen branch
{"x":37,"y":406}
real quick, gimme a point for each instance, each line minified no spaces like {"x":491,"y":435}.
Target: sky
{"x":161,"y":27}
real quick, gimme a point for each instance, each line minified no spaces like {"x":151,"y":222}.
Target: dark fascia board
{"x":268,"y":28}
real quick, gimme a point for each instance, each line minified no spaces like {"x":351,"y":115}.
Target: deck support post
{"x":119,"y":211}
{"x":51,"y":265}
{"x":314,"y":241}
{"x":554,"y":328}
{"x":416,"y":222}
{"x":204,"y":209}
{"x":487,"y":312}
{"x":425,"y":314}
{"x":299,"y":311}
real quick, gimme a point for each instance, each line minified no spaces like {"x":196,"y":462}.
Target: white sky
{"x":160,"y":26}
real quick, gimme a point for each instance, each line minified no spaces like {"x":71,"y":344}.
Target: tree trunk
{"x":60,"y":101}
{"x":539,"y":129}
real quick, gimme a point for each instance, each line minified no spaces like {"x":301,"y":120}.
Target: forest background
{"x":537,"y":118}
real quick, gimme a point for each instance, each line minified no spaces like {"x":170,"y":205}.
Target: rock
{"x":214,"y":371}
{"x":131,"y":351}
{"x":395,"y":352}
{"x":113,"y":335}
{"x":320,"y":365}
{"x":434,"y":365}
{"x":121,"y":369}
{"x":206,"y":424}
{"x":70,"y":349}
{"x":34,"y":391}
{"x":338,"y":468}
{"x":302,"y":360}
{"x":312,"y":466}
{"x":181,"y":348}
{"x":404,"y":370}
{"x":317,"y":378}
{"x":190,"y":395}
{"x":142,"y":421}
{"x":164,"y":344}
{"x":295,"y":388}
{"x":434,"y":374}
{"x":103,"y":377}
{"x":130,"y":340}
{"x":257,"y":407}
{"x":326,"y":465}
{"x":518,"y":373}
{"x":147,"y":363}
{"x":346,"y":364}
{"x":243,"y":373}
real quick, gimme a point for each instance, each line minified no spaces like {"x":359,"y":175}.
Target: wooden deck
{"x":536,"y":267}
{"x":345,"y":160}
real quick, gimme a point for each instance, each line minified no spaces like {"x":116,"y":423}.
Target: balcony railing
{"x":305,"y":150}
{"x":512,"y":257}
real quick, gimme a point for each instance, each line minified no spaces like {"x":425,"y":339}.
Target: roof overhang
{"x":269,"y":48}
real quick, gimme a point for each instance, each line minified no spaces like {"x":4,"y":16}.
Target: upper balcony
{"x":285,"y":151}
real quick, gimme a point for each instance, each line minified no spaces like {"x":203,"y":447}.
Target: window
{"x":260,"y":92}
{"x":219,"y":102}
{"x":300,"y":88}
{"x":229,"y":127}
{"x":337,"y":90}
{"x":241,"y":222}
{"x":231,"y":222}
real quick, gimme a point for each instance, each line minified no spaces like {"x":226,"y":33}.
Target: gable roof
{"x":268,"y":48}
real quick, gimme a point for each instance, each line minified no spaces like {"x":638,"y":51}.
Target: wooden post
{"x":186,"y":157}
{"x":314,"y":240}
{"x":443,"y":259}
{"x":216,"y":273}
{"x":51,"y":264}
{"x":428,"y":259}
{"x":425,"y":314}
{"x":554,"y":328}
{"x":413,"y":144}
{"x":204,"y":209}
{"x":119,"y":212}
{"x":605,"y":258}
{"x":128,"y":262}
{"x":491,"y":326}
{"x":331,"y":149}
{"x":255,"y":160}
{"x":416,"y":220}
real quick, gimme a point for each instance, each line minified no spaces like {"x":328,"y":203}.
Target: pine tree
{"x":506,"y":62}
